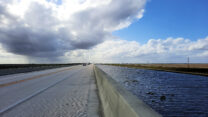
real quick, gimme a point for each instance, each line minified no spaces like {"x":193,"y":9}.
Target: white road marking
{"x":2,"y":111}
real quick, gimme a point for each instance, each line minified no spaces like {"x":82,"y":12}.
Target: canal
{"x":170,"y":94}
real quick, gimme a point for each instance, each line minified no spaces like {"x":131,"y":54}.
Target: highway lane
{"x":63,"y":92}
{"x":10,"y":78}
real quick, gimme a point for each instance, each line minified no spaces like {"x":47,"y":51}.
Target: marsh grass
{"x":195,"y":69}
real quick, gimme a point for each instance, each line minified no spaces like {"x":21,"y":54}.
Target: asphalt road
{"x":60,"y":92}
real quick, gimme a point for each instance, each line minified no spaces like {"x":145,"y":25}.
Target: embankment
{"x":6,"y":69}
{"x":117,"y":101}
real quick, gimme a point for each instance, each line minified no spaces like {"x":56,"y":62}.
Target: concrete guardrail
{"x":117,"y":101}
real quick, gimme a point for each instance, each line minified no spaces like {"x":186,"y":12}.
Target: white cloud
{"x":155,"y":50}
{"x":201,"y":44}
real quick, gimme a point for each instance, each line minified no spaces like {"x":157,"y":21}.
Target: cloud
{"x":155,"y":50}
{"x":10,"y":58}
{"x":51,"y":28}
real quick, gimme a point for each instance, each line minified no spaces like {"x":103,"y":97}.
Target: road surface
{"x":60,"y":92}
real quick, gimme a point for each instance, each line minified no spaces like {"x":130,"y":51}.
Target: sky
{"x":110,"y":31}
{"x":169,"y":18}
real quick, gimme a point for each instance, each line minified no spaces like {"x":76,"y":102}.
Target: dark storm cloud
{"x":23,"y":41}
{"x":39,"y":33}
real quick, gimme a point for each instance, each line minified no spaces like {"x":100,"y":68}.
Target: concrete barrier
{"x":117,"y":101}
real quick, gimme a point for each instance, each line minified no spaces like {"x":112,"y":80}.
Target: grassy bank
{"x":195,"y":69}
{"x":6,"y":69}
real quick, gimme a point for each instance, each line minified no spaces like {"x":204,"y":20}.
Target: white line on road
{"x":2,"y":111}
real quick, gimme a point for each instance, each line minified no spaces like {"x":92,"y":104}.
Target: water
{"x":170,"y":94}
